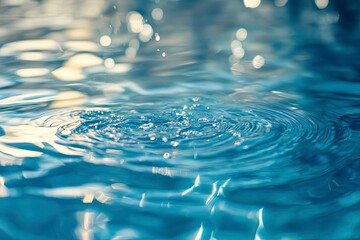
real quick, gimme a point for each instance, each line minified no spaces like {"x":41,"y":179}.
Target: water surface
{"x":179,"y":119}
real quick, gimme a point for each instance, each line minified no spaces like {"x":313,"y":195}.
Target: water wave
{"x":202,"y":136}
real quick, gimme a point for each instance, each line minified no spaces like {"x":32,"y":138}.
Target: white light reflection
{"x":3,"y":189}
{"x":321,"y":4}
{"x":88,"y":223}
{"x":105,"y":40}
{"x":241,"y":34}
{"x":260,"y":225}
{"x":238,"y":52}
{"x":157,"y":14}
{"x":32,"y":56}
{"x":146,"y":33}
{"x":103,"y":198}
{"x":109,"y":63}
{"x":135,"y":22}
{"x":35,"y":135}
{"x":141,"y":203}
{"x":72,"y":192}
{"x":83,"y":60}
{"x":221,"y":188}
{"x":258,"y":61}
{"x":68,"y":74}
{"x":252,"y":3}
{"x":79,"y":46}
{"x":213,"y":192}
{"x":120,"y":68}
{"x":17,"y":152}
{"x":196,"y":184}
{"x":88,"y":198}
{"x":199,"y":233}
{"x":29,"y":45}
{"x":163,"y":171}
{"x":32,"y":72}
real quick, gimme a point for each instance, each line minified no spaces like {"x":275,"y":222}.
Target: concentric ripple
{"x":205,"y":137}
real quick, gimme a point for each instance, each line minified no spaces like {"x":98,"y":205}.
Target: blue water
{"x":179,"y":119}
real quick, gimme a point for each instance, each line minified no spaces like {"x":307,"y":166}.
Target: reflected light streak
{"x":32,"y":72}
{"x":213,"y":192}
{"x":68,"y":99}
{"x":17,"y":152}
{"x":32,"y":56}
{"x":81,"y":46}
{"x":88,"y":198}
{"x":72,"y":192}
{"x":83,"y":60}
{"x":85,"y":229}
{"x":199,"y":233}
{"x":79,"y":34}
{"x":29,"y":45}
{"x":141,"y":203}
{"x":163,"y":171}
{"x":120,"y":68}
{"x":103,"y":198}
{"x":33,"y":135}
{"x":68,"y":74}
{"x":196,"y":184}
{"x":3,"y":189}
{"x":260,"y":225}
{"x":72,"y":69}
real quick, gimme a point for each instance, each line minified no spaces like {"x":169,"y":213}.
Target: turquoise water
{"x":179,"y":119}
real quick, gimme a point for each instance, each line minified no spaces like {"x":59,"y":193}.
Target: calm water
{"x":179,"y":119}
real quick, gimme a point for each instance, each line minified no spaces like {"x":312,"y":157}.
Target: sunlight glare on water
{"x":179,"y":119}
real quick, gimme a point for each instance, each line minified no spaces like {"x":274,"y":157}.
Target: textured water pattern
{"x":179,"y":119}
